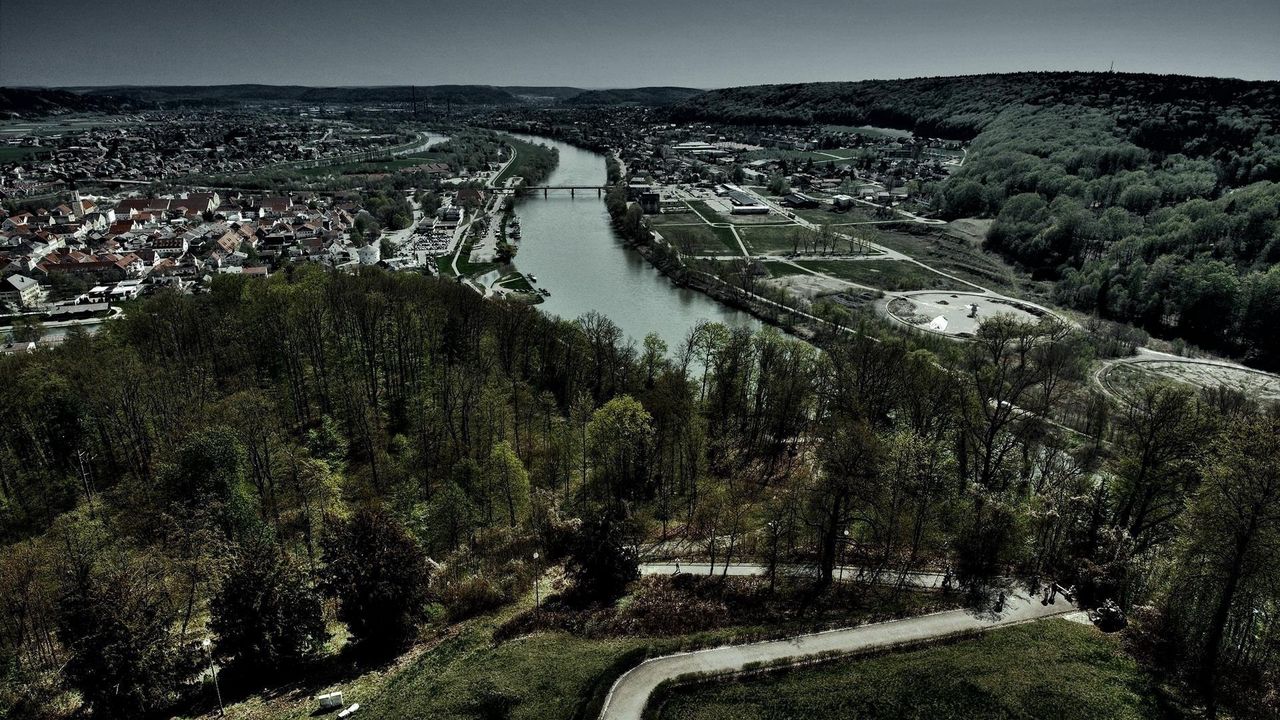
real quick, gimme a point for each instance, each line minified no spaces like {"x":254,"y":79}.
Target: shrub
{"x":265,"y":613}
{"x":600,"y":564}
{"x":379,"y":575}
{"x":470,"y":596}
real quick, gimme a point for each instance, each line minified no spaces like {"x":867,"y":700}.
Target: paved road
{"x":630,"y":693}
{"x":847,"y":572}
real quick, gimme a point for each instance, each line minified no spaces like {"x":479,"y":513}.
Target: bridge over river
{"x":546,"y":189}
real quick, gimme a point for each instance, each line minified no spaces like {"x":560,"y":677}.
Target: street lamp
{"x":773,"y":553}
{"x":843,"y":549}
{"x":213,"y":670}
{"x":537,"y":601}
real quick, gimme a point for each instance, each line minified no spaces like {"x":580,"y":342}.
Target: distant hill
{"x":36,"y":102}
{"x":109,"y":98}
{"x":961,"y":106}
{"x":535,"y":92}
{"x":633,"y":96}
{"x":457,"y":94}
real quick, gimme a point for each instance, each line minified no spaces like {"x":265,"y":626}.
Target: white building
{"x":369,"y":254}
{"x":21,"y":291}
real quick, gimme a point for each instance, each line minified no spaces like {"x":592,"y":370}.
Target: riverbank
{"x":576,"y":251}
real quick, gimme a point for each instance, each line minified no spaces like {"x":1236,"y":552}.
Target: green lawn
{"x":684,"y":218}
{"x":470,"y":269}
{"x":542,"y":676}
{"x":770,"y":238}
{"x":962,"y":259}
{"x":515,"y":281}
{"x":703,"y":210}
{"x":10,"y":153}
{"x":781,"y":269}
{"x":701,"y":239}
{"x":1055,"y":670}
{"x":884,"y":274}
{"x":550,"y":675}
{"x":820,"y":215}
{"x":528,"y":156}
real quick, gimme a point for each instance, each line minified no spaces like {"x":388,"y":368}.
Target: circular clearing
{"x":1124,"y":377}
{"x":958,"y":314}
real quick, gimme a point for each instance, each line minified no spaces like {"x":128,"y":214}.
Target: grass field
{"x":528,"y":155}
{"x":770,"y":238}
{"x":515,"y":281}
{"x":549,"y":675}
{"x":701,"y":239}
{"x":683,"y":218}
{"x":781,"y":269}
{"x":963,"y":259}
{"x":1055,"y":670}
{"x":823,"y":215}
{"x":884,"y":274}
{"x":542,"y":676}
{"x":10,"y":153}
{"x":703,"y":210}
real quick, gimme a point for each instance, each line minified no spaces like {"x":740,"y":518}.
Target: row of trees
{"x":293,"y":451}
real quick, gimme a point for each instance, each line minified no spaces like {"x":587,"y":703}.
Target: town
{"x":73,"y":262}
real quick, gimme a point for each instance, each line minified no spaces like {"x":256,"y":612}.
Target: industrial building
{"x":744,"y":203}
{"x":800,"y":200}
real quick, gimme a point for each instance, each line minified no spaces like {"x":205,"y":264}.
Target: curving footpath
{"x":630,"y":693}
{"x":851,"y":573}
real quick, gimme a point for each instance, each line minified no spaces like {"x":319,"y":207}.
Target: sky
{"x":612,"y":43}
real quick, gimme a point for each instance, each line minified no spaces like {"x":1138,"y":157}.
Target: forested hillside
{"x":1151,"y":198}
{"x":632,"y":96}
{"x":39,"y":102}
{"x":273,"y":460}
{"x":457,"y":94}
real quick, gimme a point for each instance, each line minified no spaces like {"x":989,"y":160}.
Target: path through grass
{"x":1055,"y":670}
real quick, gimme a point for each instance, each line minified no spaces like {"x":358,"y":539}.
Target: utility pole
{"x":537,"y":572}
{"x":84,"y":478}
{"x":208,"y":646}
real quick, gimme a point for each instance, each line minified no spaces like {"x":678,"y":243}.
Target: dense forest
{"x":381,"y":450}
{"x":1152,"y":199}
{"x":37,"y":102}
{"x":959,"y":107}
{"x":31,"y":102}
{"x":651,"y":96}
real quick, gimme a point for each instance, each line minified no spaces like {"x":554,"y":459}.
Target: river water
{"x":568,"y":243}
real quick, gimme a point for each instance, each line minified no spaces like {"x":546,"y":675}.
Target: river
{"x":569,"y":244}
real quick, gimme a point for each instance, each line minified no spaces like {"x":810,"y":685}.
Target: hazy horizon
{"x":598,"y":45}
{"x":549,"y":85}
